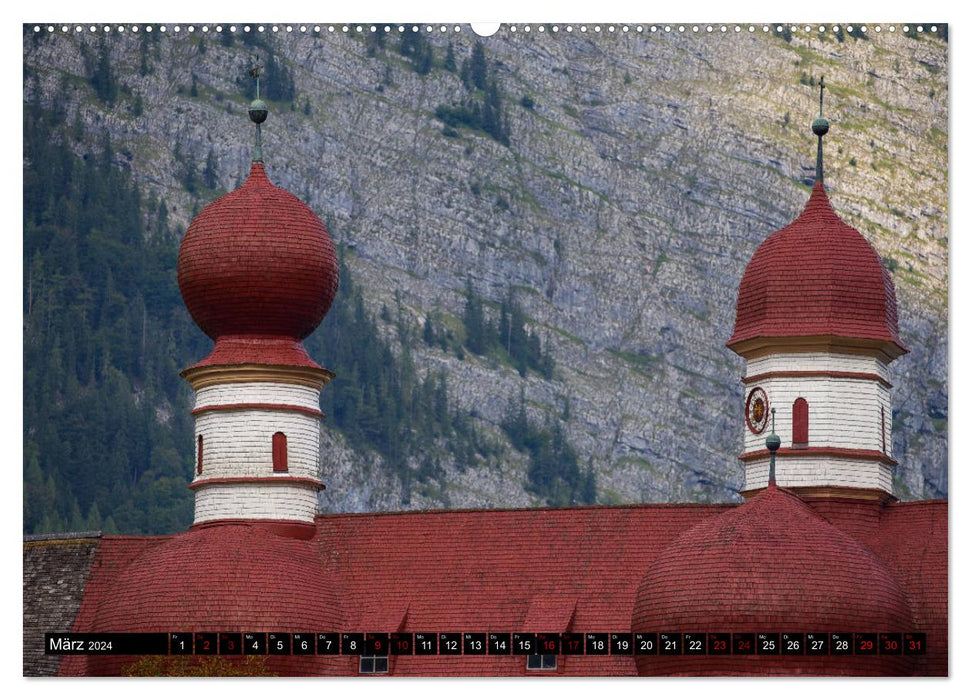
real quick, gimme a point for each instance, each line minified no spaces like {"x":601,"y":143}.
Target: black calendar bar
{"x":136,"y":644}
{"x":765,"y":644}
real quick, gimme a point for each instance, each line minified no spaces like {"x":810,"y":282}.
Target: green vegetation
{"x":554,"y":472}
{"x":415,"y":47}
{"x":912,"y":32}
{"x":106,"y":419}
{"x":103,"y":79}
{"x":276,"y":80}
{"x":380,"y":402}
{"x":107,"y":428}
{"x":482,"y":108}
{"x":506,"y":340}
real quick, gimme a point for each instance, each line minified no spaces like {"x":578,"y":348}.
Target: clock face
{"x":757,"y":410}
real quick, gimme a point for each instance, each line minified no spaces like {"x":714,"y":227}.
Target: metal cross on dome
{"x":820,"y":127}
{"x":257,"y":111}
{"x":257,"y":70}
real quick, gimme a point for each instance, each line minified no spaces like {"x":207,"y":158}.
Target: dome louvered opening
{"x":257,"y":262}
{"x":770,"y":565}
{"x":818,"y":276}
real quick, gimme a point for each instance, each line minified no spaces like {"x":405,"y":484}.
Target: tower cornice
{"x":211,"y":375}
{"x":754,"y":348}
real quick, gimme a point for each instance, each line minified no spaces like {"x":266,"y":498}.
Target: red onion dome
{"x":770,"y":565}
{"x":257,"y":261}
{"x":224,"y":578}
{"x":818,"y":276}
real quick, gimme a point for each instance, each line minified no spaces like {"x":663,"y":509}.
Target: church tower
{"x":257,"y":272}
{"x":816,"y":323}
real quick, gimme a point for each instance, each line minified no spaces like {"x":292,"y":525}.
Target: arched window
{"x":279,"y":452}
{"x":800,"y":423}
{"x":199,"y":457}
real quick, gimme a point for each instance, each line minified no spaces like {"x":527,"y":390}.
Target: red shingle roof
{"x":222,"y":578}
{"x":912,"y":540}
{"x":817,"y":276}
{"x":257,"y":261}
{"x":258,"y":350}
{"x":771,"y":565}
{"x":773,"y":560}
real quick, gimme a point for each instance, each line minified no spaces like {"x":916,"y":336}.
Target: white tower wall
{"x":849,"y":433}
{"x":237,"y":423}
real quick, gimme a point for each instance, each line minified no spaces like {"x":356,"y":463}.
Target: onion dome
{"x":224,"y":578}
{"x":769,"y":565}
{"x":257,"y":262}
{"x":257,"y":268}
{"x":817,"y":277}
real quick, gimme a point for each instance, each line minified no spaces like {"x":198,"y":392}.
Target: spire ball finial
{"x":257,"y":111}
{"x":257,"y":108}
{"x":820,"y":124}
{"x":820,"y":128}
{"x":773,"y":442}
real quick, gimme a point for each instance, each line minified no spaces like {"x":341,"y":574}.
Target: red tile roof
{"x":491,"y":570}
{"x":257,"y":261}
{"x":258,"y":350}
{"x":223,"y":578}
{"x":817,"y":276}
{"x":912,"y":540}
{"x":771,"y":560}
{"x":771,"y":565}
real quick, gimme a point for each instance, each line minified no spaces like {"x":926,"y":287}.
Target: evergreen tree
{"x":474,"y":320}
{"x":143,"y":47}
{"x":209,"y":172}
{"x":478,"y":69}
{"x":553,"y":472}
{"x":103,"y":80}
{"x":449,"y":63}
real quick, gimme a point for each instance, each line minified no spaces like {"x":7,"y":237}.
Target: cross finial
{"x":257,"y":70}
{"x":257,"y":110}
{"x":820,"y":127}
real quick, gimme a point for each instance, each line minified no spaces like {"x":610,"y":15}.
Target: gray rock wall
{"x":622,"y":215}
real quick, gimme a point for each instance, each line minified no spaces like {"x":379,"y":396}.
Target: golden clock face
{"x":757,"y":410}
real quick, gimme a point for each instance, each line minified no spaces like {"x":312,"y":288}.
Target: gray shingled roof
{"x":56,"y":568}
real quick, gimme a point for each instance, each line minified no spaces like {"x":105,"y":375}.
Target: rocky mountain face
{"x":640,"y":174}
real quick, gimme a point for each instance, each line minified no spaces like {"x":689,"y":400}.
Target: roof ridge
{"x":530,"y":509}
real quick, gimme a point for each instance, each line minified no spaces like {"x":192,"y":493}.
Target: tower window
{"x":199,"y":456}
{"x":541,"y":662}
{"x":800,"y":423}
{"x":279,"y":452}
{"x":374,"y":664}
